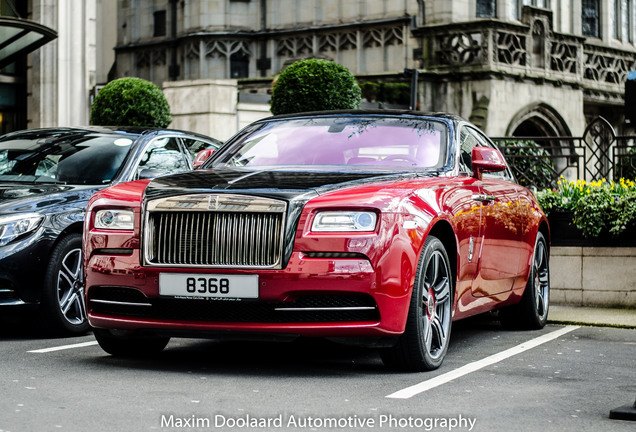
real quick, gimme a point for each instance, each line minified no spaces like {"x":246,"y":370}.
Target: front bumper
{"x":325,"y":297}
{"x":22,"y":267}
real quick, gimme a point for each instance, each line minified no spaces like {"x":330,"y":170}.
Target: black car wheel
{"x":532,"y":311}
{"x":129,"y":346}
{"x":424,"y":343}
{"x":63,"y":297}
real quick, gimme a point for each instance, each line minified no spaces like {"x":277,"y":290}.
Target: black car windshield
{"x":352,"y":142}
{"x":71,"y":157}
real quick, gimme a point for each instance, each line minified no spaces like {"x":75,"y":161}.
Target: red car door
{"x":501,"y":237}
{"x":499,"y":247}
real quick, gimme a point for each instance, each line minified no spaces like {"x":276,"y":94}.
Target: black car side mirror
{"x":150,"y":173}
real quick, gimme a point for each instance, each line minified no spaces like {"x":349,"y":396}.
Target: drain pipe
{"x":263,"y":63}
{"x":173,"y":69}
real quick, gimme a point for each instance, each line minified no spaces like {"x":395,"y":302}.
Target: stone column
{"x":62,"y":72}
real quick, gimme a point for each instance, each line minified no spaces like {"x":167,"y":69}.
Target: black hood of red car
{"x":284,"y":184}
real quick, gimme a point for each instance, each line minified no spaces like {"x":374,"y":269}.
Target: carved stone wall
{"x":520,"y":64}
{"x":365,"y":36}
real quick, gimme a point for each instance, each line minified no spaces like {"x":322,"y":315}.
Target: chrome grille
{"x":215,"y":231}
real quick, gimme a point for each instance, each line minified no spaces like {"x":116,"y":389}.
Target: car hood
{"x":285,"y":184}
{"x":43,"y":197}
{"x":296,"y":187}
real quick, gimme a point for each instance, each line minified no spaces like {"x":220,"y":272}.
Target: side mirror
{"x":150,"y":173}
{"x":486,"y":159}
{"x":201,"y":157}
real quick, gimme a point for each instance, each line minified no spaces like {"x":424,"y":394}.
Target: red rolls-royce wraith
{"x":378,"y":228}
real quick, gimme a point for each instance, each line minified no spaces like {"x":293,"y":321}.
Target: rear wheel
{"x":129,"y":346}
{"x":63,"y":304}
{"x":532,"y":311}
{"x":425,"y":340}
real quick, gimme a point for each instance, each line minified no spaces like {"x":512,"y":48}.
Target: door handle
{"x":483,"y":197}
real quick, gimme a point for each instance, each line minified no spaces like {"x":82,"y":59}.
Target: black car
{"x":46,"y":179}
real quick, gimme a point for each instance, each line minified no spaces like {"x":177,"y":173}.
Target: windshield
{"x":70,"y":157}
{"x":354,"y":141}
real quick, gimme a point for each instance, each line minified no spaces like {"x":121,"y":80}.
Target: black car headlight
{"x":14,"y":226}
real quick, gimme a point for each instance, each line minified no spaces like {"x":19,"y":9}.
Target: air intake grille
{"x":232,"y":236}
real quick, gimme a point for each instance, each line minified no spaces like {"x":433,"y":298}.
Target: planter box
{"x":593,"y":276}
{"x":564,"y":233}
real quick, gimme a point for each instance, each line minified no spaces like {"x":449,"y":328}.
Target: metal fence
{"x":598,"y":154}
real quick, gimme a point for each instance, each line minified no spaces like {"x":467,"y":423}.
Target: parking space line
{"x":480,"y":364}
{"x":64,"y":347}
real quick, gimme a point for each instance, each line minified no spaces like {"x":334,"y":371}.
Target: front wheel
{"x":425,"y":340}
{"x":129,"y":346}
{"x":532,"y":311}
{"x":63,"y":305}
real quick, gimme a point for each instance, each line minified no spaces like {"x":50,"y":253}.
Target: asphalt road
{"x":562,"y":378}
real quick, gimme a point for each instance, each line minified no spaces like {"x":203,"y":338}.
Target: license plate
{"x":208,"y":286}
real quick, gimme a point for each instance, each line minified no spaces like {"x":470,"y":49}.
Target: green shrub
{"x":130,"y":102}
{"x":315,"y":85}
{"x":370,"y":91}
{"x":598,"y":208}
{"x":387,"y":92}
{"x":531,"y":164}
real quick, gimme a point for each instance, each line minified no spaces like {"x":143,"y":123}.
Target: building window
{"x":159,"y":23}
{"x":590,"y":18}
{"x":486,"y":8}
{"x":239,"y":65}
{"x":516,"y":6}
{"x":621,"y":16}
{"x":627,"y":20}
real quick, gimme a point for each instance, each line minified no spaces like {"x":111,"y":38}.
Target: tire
{"x":424,"y":343}
{"x":531,"y":312}
{"x":129,"y":346}
{"x":63,"y":305}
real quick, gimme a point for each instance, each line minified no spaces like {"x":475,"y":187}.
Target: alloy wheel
{"x":70,"y":287}
{"x":436,"y":305}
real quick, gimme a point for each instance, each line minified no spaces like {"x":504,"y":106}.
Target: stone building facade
{"x":515,"y":67}
{"x":53,"y":85}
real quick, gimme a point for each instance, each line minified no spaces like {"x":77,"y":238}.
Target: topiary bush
{"x":130,"y":102}
{"x":315,"y":85}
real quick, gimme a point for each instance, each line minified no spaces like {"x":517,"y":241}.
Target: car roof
{"x":372,"y":112}
{"x":106,"y":130}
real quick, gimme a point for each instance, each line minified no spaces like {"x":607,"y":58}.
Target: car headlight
{"x":338,"y":221}
{"x":12,"y":227}
{"x":112,"y":219}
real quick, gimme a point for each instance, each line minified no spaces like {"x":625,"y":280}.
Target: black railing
{"x":598,"y":154}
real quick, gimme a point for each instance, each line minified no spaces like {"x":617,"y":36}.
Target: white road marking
{"x":64,"y":347}
{"x":480,"y":364}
